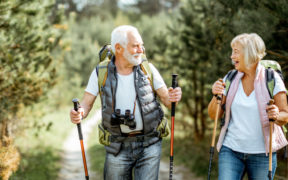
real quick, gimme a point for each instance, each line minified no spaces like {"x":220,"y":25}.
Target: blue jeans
{"x":233,"y":165}
{"x":134,"y":157}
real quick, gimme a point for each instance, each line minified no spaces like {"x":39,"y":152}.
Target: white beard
{"x":133,"y":59}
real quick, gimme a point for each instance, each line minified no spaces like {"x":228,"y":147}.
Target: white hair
{"x":119,"y":35}
{"x":253,"y":47}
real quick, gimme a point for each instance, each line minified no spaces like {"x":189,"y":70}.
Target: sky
{"x":83,"y":3}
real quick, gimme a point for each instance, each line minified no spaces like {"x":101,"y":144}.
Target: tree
{"x":27,"y":69}
{"x":197,"y":45}
{"x":195,"y":53}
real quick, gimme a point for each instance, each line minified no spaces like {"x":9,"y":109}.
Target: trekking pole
{"x":218,"y":98}
{"x":174,"y":76}
{"x":76,"y":107}
{"x":271,"y":123}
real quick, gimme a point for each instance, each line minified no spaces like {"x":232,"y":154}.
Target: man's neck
{"x":123,"y":66}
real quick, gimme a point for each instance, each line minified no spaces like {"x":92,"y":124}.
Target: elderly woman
{"x":243,"y":143}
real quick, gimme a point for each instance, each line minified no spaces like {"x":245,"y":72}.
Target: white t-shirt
{"x":126,"y":94}
{"x":245,"y":130}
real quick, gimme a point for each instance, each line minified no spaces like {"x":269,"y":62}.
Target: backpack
{"x":271,"y":66}
{"x":105,"y":56}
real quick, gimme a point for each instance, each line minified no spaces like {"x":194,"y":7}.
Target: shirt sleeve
{"x":158,"y":81}
{"x":92,"y":86}
{"x":279,"y":84}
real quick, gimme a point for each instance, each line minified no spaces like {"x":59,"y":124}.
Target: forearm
{"x":87,"y":108}
{"x":87,"y":103}
{"x":282,"y":119}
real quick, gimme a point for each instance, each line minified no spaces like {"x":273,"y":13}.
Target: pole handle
{"x":76,"y":104}
{"x":174,"y":85}
{"x":174,"y":80}
{"x":76,"y":107}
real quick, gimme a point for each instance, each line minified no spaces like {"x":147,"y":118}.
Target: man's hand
{"x":174,"y":94}
{"x":76,"y":116}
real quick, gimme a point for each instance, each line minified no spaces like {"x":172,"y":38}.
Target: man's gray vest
{"x":150,"y":108}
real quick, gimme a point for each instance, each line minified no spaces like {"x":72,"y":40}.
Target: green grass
{"x":39,"y":150}
{"x":194,"y":156}
{"x":97,"y":154}
{"x":95,"y":149}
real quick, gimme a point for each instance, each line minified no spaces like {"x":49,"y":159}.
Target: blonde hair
{"x":253,"y":47}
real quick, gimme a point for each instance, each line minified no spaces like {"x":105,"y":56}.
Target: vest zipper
{"x":140,"y":106}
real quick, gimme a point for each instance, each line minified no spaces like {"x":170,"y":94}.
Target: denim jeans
{"x":134,"y":157}
{"x":233,"y":165}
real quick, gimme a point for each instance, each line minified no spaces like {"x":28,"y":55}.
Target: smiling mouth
{"x":235,"y":62}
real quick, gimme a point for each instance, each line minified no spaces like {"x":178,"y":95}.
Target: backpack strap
{"x":102,"y":72}
{"x":105,"y":52}
{"x":147,"y":70}
{"x":270,"y":81}
{"x":230,"y":77}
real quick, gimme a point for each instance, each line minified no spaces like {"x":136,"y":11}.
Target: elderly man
{"x":132,"y":147}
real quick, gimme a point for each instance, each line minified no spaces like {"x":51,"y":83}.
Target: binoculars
{"x":127,"y":119}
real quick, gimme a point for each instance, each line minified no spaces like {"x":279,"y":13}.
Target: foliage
{"x":9,"y":158}
{"x":82,"y":47}
{"x":197,"y":46}
{"x":153,"y":7}
{"x":27,"y":69}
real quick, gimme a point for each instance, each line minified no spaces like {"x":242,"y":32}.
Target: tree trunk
{"x":203,"y":106}
{"x":4,"y":131}
{"x":195,"y":99}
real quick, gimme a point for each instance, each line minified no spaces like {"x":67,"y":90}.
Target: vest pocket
{"x":103,"y":135}
{"x":163,"y":128}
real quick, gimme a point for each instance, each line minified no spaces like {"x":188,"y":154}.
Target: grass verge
{"x":40,"y":150}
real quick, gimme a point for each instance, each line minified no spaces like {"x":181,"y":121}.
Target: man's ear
{"x":118,"y":48}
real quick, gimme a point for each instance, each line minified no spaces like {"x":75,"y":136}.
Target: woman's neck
{"x":250,"y":72}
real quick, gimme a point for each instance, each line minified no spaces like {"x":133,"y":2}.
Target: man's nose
{"x":140,"y":49}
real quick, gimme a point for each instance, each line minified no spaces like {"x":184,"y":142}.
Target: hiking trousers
{"x":232,"y":165}
{"x":134,"y":158}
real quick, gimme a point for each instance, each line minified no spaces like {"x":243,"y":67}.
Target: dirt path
{"x":72,"y":166}
{"x":71,"y":163}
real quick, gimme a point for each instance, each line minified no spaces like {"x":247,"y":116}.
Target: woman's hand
{"x":273,"y":113}
{"x":218,"y":87}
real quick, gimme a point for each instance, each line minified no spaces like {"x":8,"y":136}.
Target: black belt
{"x":136,"y":138}
{"x":133,"y":134}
